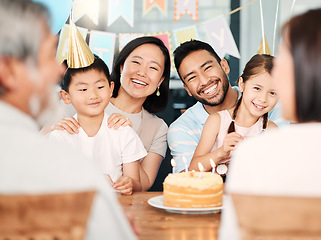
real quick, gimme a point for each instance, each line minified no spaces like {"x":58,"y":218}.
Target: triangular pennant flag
{"x":166,"y":38}
{"x":103,"y":44}
{"x":79,"y":54}
{"x":148,"y":5}
{"x":267,"y":48}
{"x":85,"y":7}
{"x":221,"y":38}
{"x":184,"y":34}
{"x":125,"y":38}
{"x":186,"y":6}
{"x":121,"y":8}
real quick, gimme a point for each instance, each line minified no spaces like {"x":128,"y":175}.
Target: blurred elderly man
{"x":29,"y":73}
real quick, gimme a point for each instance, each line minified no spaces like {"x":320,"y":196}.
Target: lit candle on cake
{"x":213,"y":165}
{"x":201,"y":168}
{"x":185,"y":162}
{"x":173,"y":165}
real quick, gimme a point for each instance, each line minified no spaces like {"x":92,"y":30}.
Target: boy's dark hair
{"x":153,"y":103}
{"x":304,"y":37}
{"x":98,"y":65}
{"x":187,"y":48}
{"x":257,"y":64}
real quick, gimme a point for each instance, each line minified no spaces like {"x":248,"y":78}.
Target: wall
{"x":251,"y":35}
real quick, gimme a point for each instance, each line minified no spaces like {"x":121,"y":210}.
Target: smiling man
{"x":204,"y":75}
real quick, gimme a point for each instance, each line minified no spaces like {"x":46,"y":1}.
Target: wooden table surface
{"x":157,"y":223}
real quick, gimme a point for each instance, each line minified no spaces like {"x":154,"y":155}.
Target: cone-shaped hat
{"x":267,"y":48}
{"x":79,"y":54}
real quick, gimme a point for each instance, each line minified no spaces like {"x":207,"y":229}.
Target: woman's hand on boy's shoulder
{"x":69,"y":124}
{"x":116,"y":120}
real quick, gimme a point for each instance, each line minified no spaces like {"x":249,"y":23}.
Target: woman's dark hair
{"x":187,"y":48}
{"x":98,"y":65}
{"x":153,"y":103}
{"x":257,"y":64}
{"x":303,"y":34}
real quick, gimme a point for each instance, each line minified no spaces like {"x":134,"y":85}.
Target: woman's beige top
{"x":151,"y":129}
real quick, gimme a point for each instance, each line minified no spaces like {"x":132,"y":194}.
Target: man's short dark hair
{"x":188,"y":47}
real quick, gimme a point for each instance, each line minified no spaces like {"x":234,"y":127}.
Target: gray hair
{"x":21,"y":31}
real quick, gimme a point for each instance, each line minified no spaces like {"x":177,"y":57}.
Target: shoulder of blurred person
{"x":275,"y":163}
{"x":29,"y":163}
{"x":32,"y":164}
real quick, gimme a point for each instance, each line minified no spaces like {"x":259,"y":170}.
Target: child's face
{"x":89,"y":93}
{"x":259,"y":94}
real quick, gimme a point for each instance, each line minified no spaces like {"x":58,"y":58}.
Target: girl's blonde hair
{"x":257,"y":64}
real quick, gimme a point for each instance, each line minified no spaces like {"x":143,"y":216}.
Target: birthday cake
{"x":190,"y":190}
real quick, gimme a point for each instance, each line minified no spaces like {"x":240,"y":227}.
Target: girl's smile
{"x":258,"y":106}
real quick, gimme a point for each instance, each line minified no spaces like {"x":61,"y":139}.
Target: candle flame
{"x":173,"y":162}
{"x":200,"y":166}
{"x":212,"y":163}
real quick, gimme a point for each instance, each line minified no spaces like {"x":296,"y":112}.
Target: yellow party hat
{"x":79,"y":54}
{"x":267,"y":49}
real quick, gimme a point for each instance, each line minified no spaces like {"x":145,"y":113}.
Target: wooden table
{"x":157,"y":223}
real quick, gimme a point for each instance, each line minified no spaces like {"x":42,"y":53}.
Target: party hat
{"x":267,"y":48}
{"x":79,"y":54}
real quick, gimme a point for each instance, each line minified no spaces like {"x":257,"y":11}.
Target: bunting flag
{"x":221,"y":38}
{"x":267,"y":48}
{"x":185,"y":34}
{"x":121,"y":8}
{"x":103,"y":44}
{"x":125,"y":38}
{"x":165,"y":37}
{"x":186,"y":6}
{"x":85,"y":7}
{"x":148,"y":5}
{"x":64,"y":41}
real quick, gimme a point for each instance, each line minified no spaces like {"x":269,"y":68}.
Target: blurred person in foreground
{"x":278,"y":174}
{"x":30,"y":164}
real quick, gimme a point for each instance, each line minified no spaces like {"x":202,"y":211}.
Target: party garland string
{"x":225,"y":15}
{"x":262,"y":26}
{"x":275,"y":23}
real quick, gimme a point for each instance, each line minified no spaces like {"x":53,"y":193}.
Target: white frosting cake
{"x":189,"y":190}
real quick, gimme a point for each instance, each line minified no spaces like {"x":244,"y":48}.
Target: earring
{"x":158,"y":92}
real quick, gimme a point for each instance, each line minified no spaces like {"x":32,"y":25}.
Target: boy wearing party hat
{"x":86,"y":85}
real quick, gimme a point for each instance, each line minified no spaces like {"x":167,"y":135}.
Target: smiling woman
{"x":144,"y":60}
{"x":141,"y":74}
